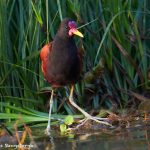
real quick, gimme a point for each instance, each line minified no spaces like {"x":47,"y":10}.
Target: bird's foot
{"x":81,"y":123}
{"x":103,"y":121}
{"x":96,"y":119}
{"x":48,"y":130}
{"x":99,"y":120}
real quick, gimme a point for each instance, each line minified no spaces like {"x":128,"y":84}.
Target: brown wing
{"x":44,"y":55}
{"x":45,"y":51}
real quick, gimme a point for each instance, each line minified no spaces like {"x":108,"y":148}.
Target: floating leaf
{"x":63,"y":128}
{"x":69,"y":120}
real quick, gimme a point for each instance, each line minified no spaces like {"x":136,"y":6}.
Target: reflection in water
{"x":128,"y":139}
{"x":147,"y":137}
{"x":52,"y":144}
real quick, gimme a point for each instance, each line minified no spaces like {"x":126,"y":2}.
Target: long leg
{"x":50,"y":110}
{"x":88,"y":116}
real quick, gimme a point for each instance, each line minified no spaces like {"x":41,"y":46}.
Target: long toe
{"x":103,"y":121}
{"x":96,"y":119}
{"x":99,"y":120}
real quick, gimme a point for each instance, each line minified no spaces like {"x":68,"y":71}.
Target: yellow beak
{"x":76,"y":32}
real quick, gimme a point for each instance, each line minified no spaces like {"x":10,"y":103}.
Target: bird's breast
{"x":64,"y":63}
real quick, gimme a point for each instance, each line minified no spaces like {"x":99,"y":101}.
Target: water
{"x":137,"y":138}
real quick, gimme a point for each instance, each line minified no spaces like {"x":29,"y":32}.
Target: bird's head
{"x":68,"y":28}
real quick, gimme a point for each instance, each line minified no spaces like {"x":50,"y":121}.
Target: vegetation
{"x":116,"y":51}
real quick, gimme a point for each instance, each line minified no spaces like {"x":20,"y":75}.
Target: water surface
{"x":137,"y":138}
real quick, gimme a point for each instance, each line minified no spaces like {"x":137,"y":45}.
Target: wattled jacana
{"x":62,"y":63}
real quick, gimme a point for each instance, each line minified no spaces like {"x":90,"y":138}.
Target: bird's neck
{"x":63,"y":46}
{"x":64,"y":40}
{"x":63,"y":37}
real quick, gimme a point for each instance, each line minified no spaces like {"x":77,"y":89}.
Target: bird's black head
{"x":68,"y":28}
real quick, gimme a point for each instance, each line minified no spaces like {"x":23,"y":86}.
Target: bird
{"x":61,"y":64}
